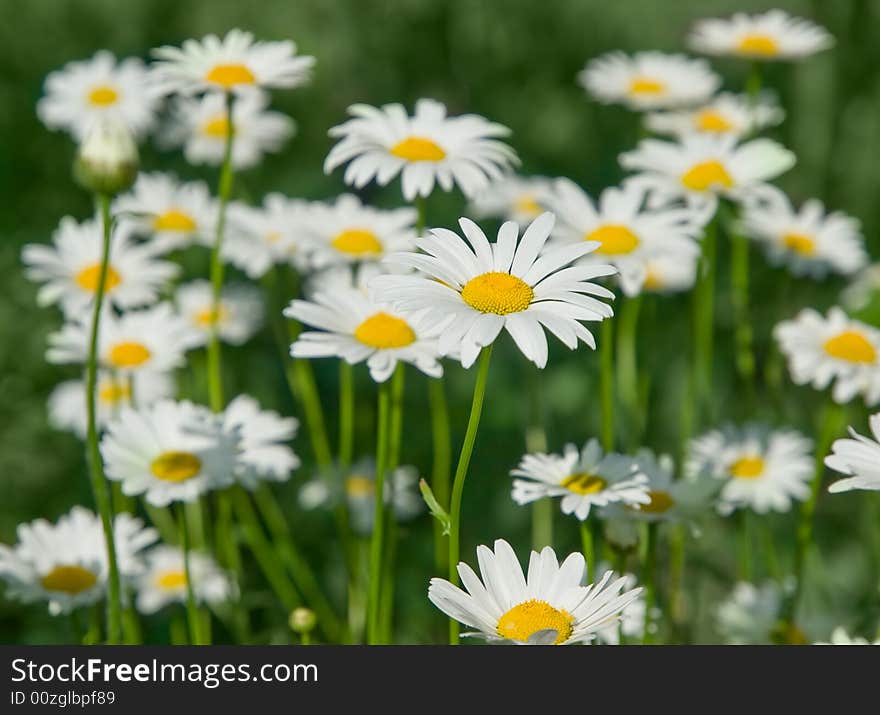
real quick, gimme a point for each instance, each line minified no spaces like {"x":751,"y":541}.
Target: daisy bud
{"x":302,"y":620}
{"x":107,"y":160}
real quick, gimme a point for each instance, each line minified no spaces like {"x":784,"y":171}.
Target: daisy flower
{"x":173,"y":214}
{"x":67,"y":403}
{"x":751,"y":616}
{"x":583,"y":479}
{"x":200,"y":126}
{"x":832,"y":348}
{"x":82,"y":93}
{"x":512,"y":198}
{"x":649,"y":80}
{"x":701,"y":167}
{"x":858,"y":458}
{"x":548,"y":606}
{"x":70,"y":269}
{"x":669,"y":273}
{"x":165,"y":452}
{"x":150,"y":340}
{"x":66,"y":563}
{"x":163,"y":582}
{"x":840,"y":637}
{"x":632,"y":619}
{"x":862,"y":289}
{"x":627,"y":231}
{"x":238,"y":316}
{"x":763,"y":470}
{"x":235,"y":64}
{"x":426,"y":148}
{"x":726,"y":113}
{"x":810,"y":241}
{"x":472,"y":292}
{"x":773,"y":35}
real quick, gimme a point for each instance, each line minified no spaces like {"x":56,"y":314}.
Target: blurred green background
{"x":514,"y":62}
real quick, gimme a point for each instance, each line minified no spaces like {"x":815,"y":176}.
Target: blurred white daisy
{"x":70,"y":269}
{"x":584,"y":479}
{"x":512,"y":198}
{"x":726,"y":113}
{"x":235,"y":64}
{"x":839,"y":636}
{"x":832,"y":348}
{"x":763,"y":470}
{"x":472,"y":292}
{"x":66,"y":563}
{"x":858,"y":458}
{"x":381,"y":142}
{"x":164,"y":580}
{"x":649,"y":80}
{"x":750,"y":615}
{"x":669,"y":273}
{"x":773,"y":35}
{"x":84,"y":92}
{"x":862,"y":289}
{"x":632,"y":619}
{"x":238,"y":316}
{"x":548,"y":606}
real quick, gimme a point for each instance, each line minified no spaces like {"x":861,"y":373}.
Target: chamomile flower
{"x":773,"y":35}
{"x":701,"y":167}
{"x":832,"y":348}
{"x":726,"y":113}
{"x":810,"y":241}
{"x":649,"y":80}
{"x":839,"y":636}
{"x":750,"y":615}
{"x":66,"y":563}
{"x":82,"y":93}
{"x":234,"y":64}
{"x":172,"y":214}
{"x":763,"y":470}
{"x":512,"y":198}
{"x":167,"y":453}
{"x":238,"y":316}
{"x":150,"y":340}
{"x":70,"y":269}
{"x":429,"y":147}
{"x":627,"y":231}
{"x":862,"y":289}
{"x":67,"y":402}
{"x":858,"y":458}
{"x":548,"y":606}
{"x":584,"y":479}
{"x":164,"y":580}
{"x":201,"y":127}
{"x":473,"y":292}
{"x":669,"y":273}
{"x":632,"y":619}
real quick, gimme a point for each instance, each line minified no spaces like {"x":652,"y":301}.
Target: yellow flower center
{"x":88,"y":278}
{"x":174,"y":220}
{"x":499,"y":293}
{"x":660,"y":502}
{"x":799,"y":243}
{"x":711,"y":120}
{"x":217,"y":127}
{"x":69,"y":579}
{"x":418,"y":149}
{"x":171,"y":580}
{"x":176,"y":466}
{"x":527,"y":205}
{"x":103,"y":96}
{"x":788,"y":634}
{"x":129,"y":354}
{"x":113,"y":392}
{"x":747,"y":467}
{"x":357,"y":242}
{"x":706,"y":175}
{"x":527,"y":618}
{"x":357,"y":485}
{"x":584,"y":484}
{"x":852,"y":346}
{"x":208,"y":317}
{"x":614,"y":239}
{"x":653,"y":280}
{"x":646,"y":85}
{"x":759,"y":44}
{"x":383,"y":332}
{"x":230,"y":75}
{"x":273,"y":236}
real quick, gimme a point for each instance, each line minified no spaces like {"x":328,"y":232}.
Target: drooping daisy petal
{"x":857,"y":458}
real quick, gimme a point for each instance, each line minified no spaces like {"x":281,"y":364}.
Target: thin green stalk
{"x":192,"y":612}
{"x":230,"y":557}
{"x":302,"y":381}
{"x":744,"y":569}
{"x":177,"y":629}
{"x":76,"y":630}
{"x":677,"y":535}
{"x":442,"y":461}
{"x":536,"y":442}
{"x":346,"y":415}
{"x":606,"y":383}
{"x":739,"y":282}
{"x":704,"y":322}
{"x":627,"y":368}
{"x":649,"y":579}
{"x":588,"y":547}
{"x":773,"y":570}
{"x":376,"y":545}
{"x":464,"y":460}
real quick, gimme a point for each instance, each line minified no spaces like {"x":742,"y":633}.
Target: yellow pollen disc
{"x":176,"y":466}
{"x":527,"y":205}
{"x":357,"y":242}
{"x":852,"y":346}
{"x":174,"y":220}
{"x":129,"y":354}
{"x":615,"y":239}
{"x":660,"y":502}
{"x":758,"y":44}
{"x":527,"y":618}
{"x":273,"y":237}
{"x":418,"y":149}
{"x":69,"y":579}
{"x":216,"y":127}
{"x":114,"y":392}
{"x":88,"y":278}
{"x":747,"y":468}
{"x":171,"y":580}
{"x":357,"y":485}
{"x":788,"y":634}
{"x":208,"y":317}
{"x":103,"y":96}
{"x":799,"y":243}
{"x":498,"y":293}
{"x":710,"y":120}
{"x":383,"y":332}
{"x":584,"y":483}
{"x":646,"y":85}
{"x":707,"y":175}
{"x":230,"y":75}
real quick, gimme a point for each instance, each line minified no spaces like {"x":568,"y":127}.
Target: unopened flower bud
{"x":302,"y":620}
{"x":107,"y":160}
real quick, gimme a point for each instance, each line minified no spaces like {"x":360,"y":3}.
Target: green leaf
{"x":434,"y":506}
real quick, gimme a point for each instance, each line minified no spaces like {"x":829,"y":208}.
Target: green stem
{"x":376,"y":546}
{"x":606,"y":383}
{"x":677,"y":535}
{"x":346,"y":415}
{"x":704,"y":322}
{"x":588,"y":547}
{"x":302,"y":381}
{"x":464,"y":460}
{"x":192,"y":612}
{"x":745,"y":570}
{"x":649,"y":579}
{"x":627,"y":368}
{"x":230,"y":557}
{"x":442,"y":461}
{"x":536,"y":442}
{"x":739,"y":282}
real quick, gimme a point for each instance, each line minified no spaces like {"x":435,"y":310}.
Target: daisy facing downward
{"x":858,"y":459}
